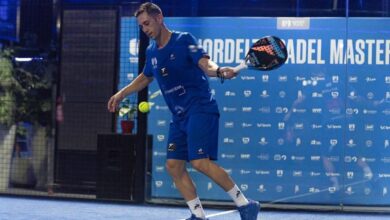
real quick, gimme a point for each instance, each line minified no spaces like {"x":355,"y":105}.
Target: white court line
{"x":217,"y":214}
{"x":221,"y":213}
{"x":287,"y":198}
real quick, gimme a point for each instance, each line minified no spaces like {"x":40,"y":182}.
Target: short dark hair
{"x":149,"y":8}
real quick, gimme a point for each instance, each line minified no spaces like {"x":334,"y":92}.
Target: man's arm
{"x":211,"y":69}
{"x":136,"y":85}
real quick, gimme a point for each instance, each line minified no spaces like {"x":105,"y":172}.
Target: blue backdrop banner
{"x":315,"y":130}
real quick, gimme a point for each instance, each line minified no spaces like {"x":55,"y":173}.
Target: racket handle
{"x":240,"y":67}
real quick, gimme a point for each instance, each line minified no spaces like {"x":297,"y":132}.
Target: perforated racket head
{"x":268,"y":53}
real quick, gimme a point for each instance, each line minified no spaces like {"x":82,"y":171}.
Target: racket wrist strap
{"x":220,"y":75}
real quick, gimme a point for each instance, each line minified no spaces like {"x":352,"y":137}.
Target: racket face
{"x":268,"y":53}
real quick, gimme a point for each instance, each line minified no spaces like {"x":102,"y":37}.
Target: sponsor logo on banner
{"x":229,"y":109}
{"x":351,"y":143}
{"x":315,"y":158}
{"x":261,"y":188}
{"x":246,"y":109}
{"x":352,"y":79}
{"x":209,"y":186}
{"x":265,"y":110}
{"x":296,"y":189}
{"x":369,"y":111}
{"x":159,"y":154}
{"x":384,"y":175}
{"x":349,"y":190}
{"x":229,"y":124}
{"x":297,"y":173}
{"x":332,"y":189}
{"x":245,"y":156}
{"x":159,"y":183}
{"x":331,"y":174}
{"x":248,"y":78}
{"x":334,"y":158}
{"x":333,"y":126}
{"x":335,"y":111}
{"x":263,"y":125}
{"x":264,"y":94}
{"x":335,"y":94}
{"x":279,"y":173}
{"x":265,"y":78}
{"x":246,"y":125}
{"x":160,"y":137}
{"x":298,"y":142}
{"x":298,"y":126}
{"x":281,"y":110}
{"x":228,"y":156}
{"x":230,"y":93}
{"x":315,"y":174}
{"x":370,"y":95}
{"x":369,"y":127}
{"x":335,"y":79}
{"x":370,"y":79}
{"x":316,"y":126}
{"x":314,"y":190}
{"x":245,"y":172}
{"x":160,"y":169}
{"x":387,"y":79}
{"x":161,"y":123}
{"x":263,"y":156}
{"x":297,"y":158}
{"x":227,"y":140}
{"x":245,"y":140}
{"x":279,"y":157}
{"x":367,"y":191}
{"x":333,"y":142}
{"x":244,"y":187}
{"x":314,"y":142}
{"x":352,"y":95}
{"x":316,"y":110}
{"x":263,"y":141}
{"x":351,"y":111}
{"x":384,"y":127}
{"x":316,"y":95}
{"x":298,"y":110}
{"x":280,"y":141}
{"x":293,"y":23}
{"x":161,"y":108}
{"x":262,"y":172}
{"x":385,"y":159}
{"x":350,"y":159}
{"x":247,"y":93}
{"x":283,"y":78}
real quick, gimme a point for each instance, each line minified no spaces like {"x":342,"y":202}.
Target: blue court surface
{"x":41,"y":209}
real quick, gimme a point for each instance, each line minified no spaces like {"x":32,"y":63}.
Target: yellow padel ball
{"x":144,"y":107}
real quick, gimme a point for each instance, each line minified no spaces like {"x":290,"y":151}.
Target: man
{"x":180,"y":67}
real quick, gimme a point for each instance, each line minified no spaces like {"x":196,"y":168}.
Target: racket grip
{"x":240,"y":67}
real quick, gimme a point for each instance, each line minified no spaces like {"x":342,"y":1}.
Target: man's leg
{"x":183,"y":182}
{"x":215,"y":172}
{"x":248,"y":209}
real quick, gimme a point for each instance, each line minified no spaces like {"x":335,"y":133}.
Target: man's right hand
{"x":114,"y":102}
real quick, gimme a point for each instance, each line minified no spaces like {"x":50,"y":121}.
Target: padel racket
{"x":267,"y":53}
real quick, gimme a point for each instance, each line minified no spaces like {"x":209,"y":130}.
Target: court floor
{"x":18,"y":208}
